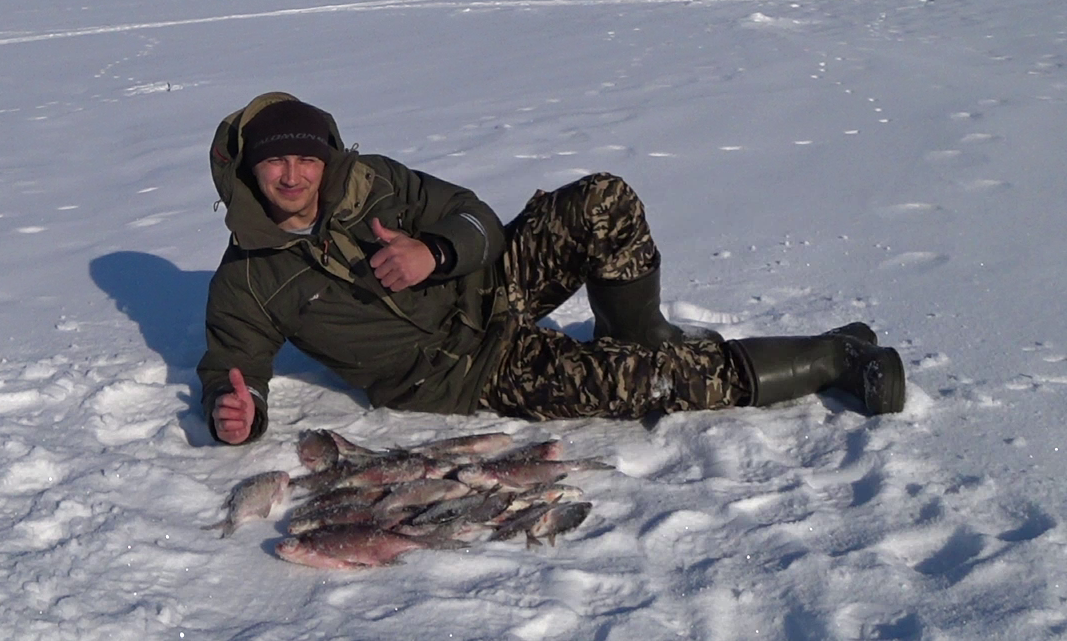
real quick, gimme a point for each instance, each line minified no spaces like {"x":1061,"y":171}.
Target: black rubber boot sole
{"x":883,"y":382}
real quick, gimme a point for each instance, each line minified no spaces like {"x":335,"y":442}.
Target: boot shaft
{"x":629,"y":310}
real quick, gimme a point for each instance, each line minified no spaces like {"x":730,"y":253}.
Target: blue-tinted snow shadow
{"x":168,"y":306}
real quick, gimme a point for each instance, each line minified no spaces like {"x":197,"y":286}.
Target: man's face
{"x":291,"y":184}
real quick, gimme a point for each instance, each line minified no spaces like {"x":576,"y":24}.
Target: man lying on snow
{"x":411,"y":288}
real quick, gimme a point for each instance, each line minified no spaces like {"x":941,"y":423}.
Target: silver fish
{"x":350,"y":451}
{"x":550,"y":450}
{"x":421,"y":492}
{"x":354,"y":546}
{"x":323,"y":480}
{"x":522,"y":474}
{"x":399,"y":468}
{"x":347,"y":515}
{"x":316,"y":450}
{"x":352,"y":496}
{"x":559,"y":519}
{"x":552,"y":493}
{"x":521,"y":521}
{"x":467,"y":532}
{"x":547,"y":493}
{"x":476,"y":444}
{"x":473,"y":508}
{"x":250,"y":499}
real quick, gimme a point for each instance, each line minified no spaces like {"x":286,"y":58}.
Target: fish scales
{"x":347,"y":514}
{"x":520,"y":522}
{"x":250,"y":499}
{"x":353,"y":496}
{"x":397,"y":469}
{"x":473,"y":508}
{"x":552,"y":493}
{"x":523,"y":474}
{"x":350,"y":451}
{"x":421,"y":492}
{"x":476,"y":444}
{"x":319,"y":482}
{"x":558,"y":519}
{"x":551,"y":450}
{"x":353,"y":546}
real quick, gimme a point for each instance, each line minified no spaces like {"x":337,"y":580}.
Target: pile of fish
{"x":364,"y":507}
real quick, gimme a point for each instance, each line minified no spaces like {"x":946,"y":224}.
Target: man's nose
{"x":289,"y":173}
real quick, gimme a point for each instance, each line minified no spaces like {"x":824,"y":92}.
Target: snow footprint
{"x":35,"y":471}
{"x":915,"y":261}
{"x":910,"y":209}
{"x":598,"y":593}
{"x":1040,"y":381}
{"x":44,"y":532}
{"x":985,"y":185}
{"x":677,"y":535}
{"x":861,"y":621}
{"x":978,"y":138}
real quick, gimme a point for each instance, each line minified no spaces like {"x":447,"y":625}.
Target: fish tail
{"x":532,"y":541}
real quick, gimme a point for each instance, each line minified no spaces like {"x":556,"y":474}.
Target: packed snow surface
{"x":804,"y":164}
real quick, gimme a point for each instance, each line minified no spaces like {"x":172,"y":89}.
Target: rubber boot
{"x":629,"y":311}
{"x":787,"y":367}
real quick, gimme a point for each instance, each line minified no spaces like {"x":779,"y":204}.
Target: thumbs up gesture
{"x":234,"y":412}
{"x":403,"y":261}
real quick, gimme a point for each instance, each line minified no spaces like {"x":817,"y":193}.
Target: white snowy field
{"x":804,"y":164}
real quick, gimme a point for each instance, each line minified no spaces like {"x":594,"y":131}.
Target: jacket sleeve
{"x":241,"y":335}
{"x":454,"y":213}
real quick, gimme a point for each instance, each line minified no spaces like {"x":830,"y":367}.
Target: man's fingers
{"x":392,"y":277}
{"x":233,"y":432}
{"x":382,"y":256}
{"x":230,"y":413}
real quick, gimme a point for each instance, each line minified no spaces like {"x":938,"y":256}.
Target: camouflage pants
{"x":594,"y":227}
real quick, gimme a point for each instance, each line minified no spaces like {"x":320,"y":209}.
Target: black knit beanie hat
{"x":289,"y":127}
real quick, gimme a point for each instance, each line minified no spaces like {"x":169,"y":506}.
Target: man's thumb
{"x":237,"y":380}
{"x":385,"y":235}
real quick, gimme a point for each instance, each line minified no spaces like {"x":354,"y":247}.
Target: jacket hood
{"x":246,"y":216}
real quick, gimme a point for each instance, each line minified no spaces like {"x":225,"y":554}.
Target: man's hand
{"x":403,"y":262}
{"x":234,"y":412}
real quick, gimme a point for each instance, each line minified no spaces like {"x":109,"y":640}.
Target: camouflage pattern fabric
{"x":594,"y":227}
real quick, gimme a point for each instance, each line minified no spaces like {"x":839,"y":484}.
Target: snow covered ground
{"x":804,"y":164}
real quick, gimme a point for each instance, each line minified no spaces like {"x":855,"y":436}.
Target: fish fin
{"x":303,"y":481}
{"x":588,"y":464}
{"x":214,"y":526}
{"x":226,"y":525}
{"x":552,"y":539}
{"x":532,"y":541}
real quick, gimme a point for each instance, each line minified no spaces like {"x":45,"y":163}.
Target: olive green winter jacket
{"x":425,"y":348}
